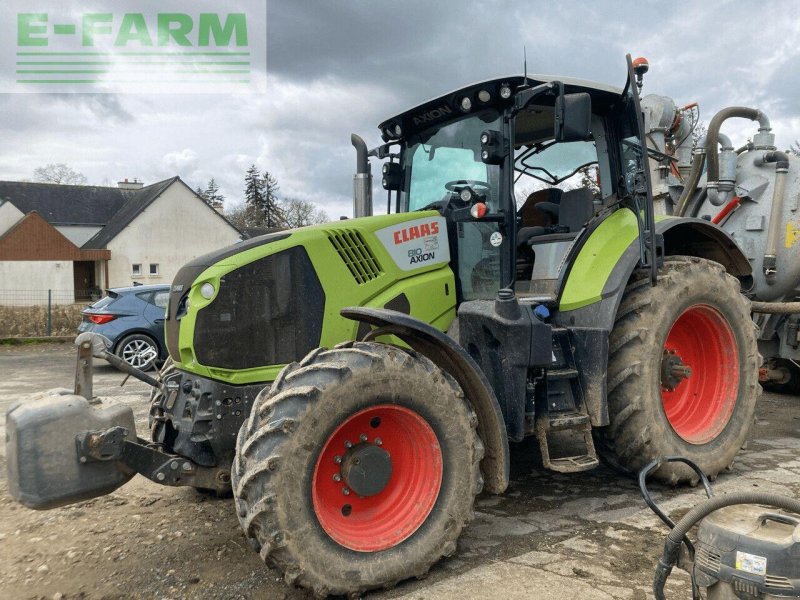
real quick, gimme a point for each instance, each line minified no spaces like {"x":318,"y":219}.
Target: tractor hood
{"x":242,"y":313}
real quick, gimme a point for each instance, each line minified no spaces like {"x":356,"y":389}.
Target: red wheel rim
{"x":383,"y":520}
{"x":700,"y":405}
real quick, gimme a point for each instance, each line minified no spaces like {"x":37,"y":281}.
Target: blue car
{"x":133,"y":319}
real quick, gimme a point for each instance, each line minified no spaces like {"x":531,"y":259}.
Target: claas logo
{"x":414,"y":232}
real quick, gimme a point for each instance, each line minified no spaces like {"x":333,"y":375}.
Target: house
{"x":78,"y":239}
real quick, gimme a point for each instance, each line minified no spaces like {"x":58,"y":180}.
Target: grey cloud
{"x":343,"y":66}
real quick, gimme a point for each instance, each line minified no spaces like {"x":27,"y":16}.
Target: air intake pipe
{"x":722,"y":165}
{"x":362,"y":180}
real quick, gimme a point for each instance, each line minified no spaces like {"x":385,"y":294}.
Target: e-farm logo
{"x":108,"y":49}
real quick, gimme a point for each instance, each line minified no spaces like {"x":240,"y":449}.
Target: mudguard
{"x":445,"y":353}
{"x":607,"y":258}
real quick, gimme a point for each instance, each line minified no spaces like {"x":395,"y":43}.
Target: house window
{"x":153,"y":268}
{"x":136,"y":269}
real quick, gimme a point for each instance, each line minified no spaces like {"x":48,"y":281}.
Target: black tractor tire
{"x":282,"y":445}
{"x":791,"y":385}
{"x":640,"y":429}
{"x":130,"y":344}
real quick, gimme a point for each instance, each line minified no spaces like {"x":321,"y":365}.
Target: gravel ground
{"x":550,"y":536}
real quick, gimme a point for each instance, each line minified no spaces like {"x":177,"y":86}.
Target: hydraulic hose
{"x":691,"y":184}
{"x":672,"y":546}
{"x":775,"y":308}
{"x":713,"y":154}
{"x":697,"y":170}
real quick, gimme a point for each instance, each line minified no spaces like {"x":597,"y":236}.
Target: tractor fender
{"x":449,"y":356}
{"x":682,"y":236}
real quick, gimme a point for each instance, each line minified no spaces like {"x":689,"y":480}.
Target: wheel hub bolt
{"x":681,"y":371}
{"x":337,"y":477}
{"x":363,"y":437}
{"x":348,"y":444}
{"x":345,"y":491}
{"x":337,"y":459}
{"x":378,"y":442}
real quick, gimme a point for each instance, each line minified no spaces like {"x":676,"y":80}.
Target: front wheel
{"x":682,"y":371}
{"x":358,"y":468}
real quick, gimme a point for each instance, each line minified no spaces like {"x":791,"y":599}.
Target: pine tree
{"x":273,"y":214}
{"x":212,"y":196}
{"x":253,"y":197}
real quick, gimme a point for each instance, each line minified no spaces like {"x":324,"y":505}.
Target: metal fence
{"x":33,"y":313}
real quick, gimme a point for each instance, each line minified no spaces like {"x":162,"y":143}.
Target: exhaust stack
{"x":362,"y":180}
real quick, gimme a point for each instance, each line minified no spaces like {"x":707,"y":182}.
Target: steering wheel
{"x":479,"y":187}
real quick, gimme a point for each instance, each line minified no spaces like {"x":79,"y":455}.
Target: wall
{"x":78,"y":234}
{"x":25,"y":283}
{"x":174,"y":229}
{"x":9,"y":216}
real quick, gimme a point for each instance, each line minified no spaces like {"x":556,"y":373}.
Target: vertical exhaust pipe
{"x":362,"y":180}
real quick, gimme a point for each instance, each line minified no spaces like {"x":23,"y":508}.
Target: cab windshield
{"x":439,"y":161}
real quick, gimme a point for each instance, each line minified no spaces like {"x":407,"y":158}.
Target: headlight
{"x":466,"y":194}
{"x":207,"y":291}
{"x":466,"y":104}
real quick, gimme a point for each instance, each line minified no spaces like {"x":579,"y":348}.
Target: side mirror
{"x":573,"y":117}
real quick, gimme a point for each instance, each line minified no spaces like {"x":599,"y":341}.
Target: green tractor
{"x":357,"y":384}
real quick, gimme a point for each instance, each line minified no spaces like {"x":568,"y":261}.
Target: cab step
{"x":576,"y":422}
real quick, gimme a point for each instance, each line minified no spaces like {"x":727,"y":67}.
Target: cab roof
{"x":448,"y":106}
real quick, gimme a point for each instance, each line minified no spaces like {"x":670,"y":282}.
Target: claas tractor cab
{"x":356,"y":384}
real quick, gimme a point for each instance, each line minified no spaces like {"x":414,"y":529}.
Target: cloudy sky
{"x":339,"y":66}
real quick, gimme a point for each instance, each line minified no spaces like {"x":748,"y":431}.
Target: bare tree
{"x":58,"y":173}
{"x":795,"y":148}
{"x":699,"y":131}
{"x":238,"y":215}
{"x":299,"y":213}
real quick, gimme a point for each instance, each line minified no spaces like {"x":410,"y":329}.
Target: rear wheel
{"x":138,"y":350}
{"x":682,"y":371}
{"x":357,"y":469}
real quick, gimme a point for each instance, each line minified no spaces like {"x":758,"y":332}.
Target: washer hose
{"x":672,"y":546}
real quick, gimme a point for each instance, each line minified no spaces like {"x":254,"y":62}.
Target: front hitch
{"x":65,"y":448}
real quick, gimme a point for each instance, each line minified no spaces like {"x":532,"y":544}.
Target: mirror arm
{"x":524,"y":98}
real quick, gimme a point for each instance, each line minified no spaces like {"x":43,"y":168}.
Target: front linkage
{"x":107,"y":450}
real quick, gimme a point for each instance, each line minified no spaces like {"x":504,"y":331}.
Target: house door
{"x":83,"y":272}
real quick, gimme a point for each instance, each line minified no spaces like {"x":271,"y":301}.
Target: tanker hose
{"x":781,"y":161}
{"x":753,"y":114}
{"x":691,"y":184}
{"x":775,"y":308}
{"x":672,"y":546}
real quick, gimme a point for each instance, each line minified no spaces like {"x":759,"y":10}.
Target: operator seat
{"x":576,"y":208}
{"x":539,"y":211}
{"x":529,"y":215}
